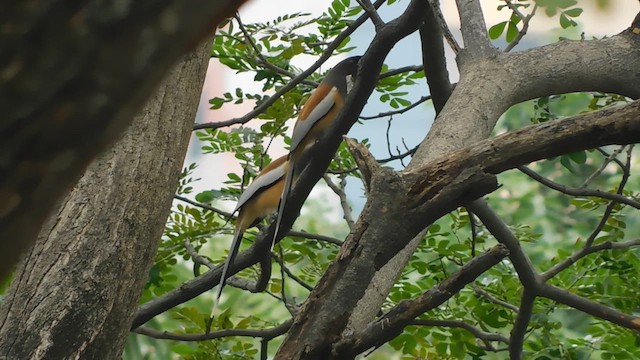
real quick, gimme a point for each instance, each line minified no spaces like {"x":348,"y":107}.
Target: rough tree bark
{"x":75,"y":292}
{"x":72,"y":76}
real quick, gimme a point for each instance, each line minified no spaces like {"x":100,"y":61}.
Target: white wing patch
{"x":259,"y":183}
{"x":303,"y":126}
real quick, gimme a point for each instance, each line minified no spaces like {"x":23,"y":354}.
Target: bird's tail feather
{"x":283,"y":200}
{"x":233,"y":251}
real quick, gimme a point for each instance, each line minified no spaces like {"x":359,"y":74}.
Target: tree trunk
{"x":75,"y":292}
{"x":72,"y":76}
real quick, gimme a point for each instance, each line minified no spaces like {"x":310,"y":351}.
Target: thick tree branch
{"x":434,"y":60}
{"x":372,"y":12}
{"x":614,"y":125}
{"x":77,"y":289}
{"x":474,"y":30}
{"x":471,"y":113}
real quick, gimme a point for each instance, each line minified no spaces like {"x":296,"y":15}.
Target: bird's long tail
{"x":283,"y":200}
{"x":233,"y":251}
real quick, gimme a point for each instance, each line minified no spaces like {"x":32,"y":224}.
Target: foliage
{"x":550,"y":226}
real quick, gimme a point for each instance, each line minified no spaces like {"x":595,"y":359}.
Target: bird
{"x":317,"y":114}
{"x":259,"y":200}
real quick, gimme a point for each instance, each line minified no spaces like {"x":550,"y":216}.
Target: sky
{"x":408,"y":129}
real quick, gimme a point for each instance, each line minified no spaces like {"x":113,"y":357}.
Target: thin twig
{"x":306,"y":235}
{"x":590,"y":307}
{"x":451,"y":40}
{"x":525,"y":24}
{"x":204,"y":206}
{"x":398,"y":111}
{"x":261,"y":60}
{"x":578,"y":191}
{"x":197,"y":258}
{"x":626,"y":172}
{"x":404,"y":69}
{"x":344,"y":203}
{"x":608,"y":159}
{"x":255,"y":333}
{"x":493,"y":299}
{"x":479,"y":334}
{"x":290,"y":274}
{"x":607,"y":245}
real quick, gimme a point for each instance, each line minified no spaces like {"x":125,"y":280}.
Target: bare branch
{"x":434,"y":60}
{"x":399,"y":156}
{"x":590,"y":307}
{"x":451,"y":40}
{"x":292,"y":275}
{"x":399,"y":111}
{"x":255,"y":333}
{"x":626,"y":172}
{"x":484,"y":336}
{"x":494,"y":299}
{"x":615,"y":125}
{"x":578,"y":191}
{"x":404,"y":69}
{"x":607,"y":245}
{"x":204,"y":206}
{"x":306,"y":235}
{"x":521,"y":262}
{"x":519,"y":330}
{"x":474,"y":29}
{"x":609,"y":158}
{"x":197,"y":258}
{"x":525,"y":24}
{"x":372,"y":12}
{"x":344,"y":203}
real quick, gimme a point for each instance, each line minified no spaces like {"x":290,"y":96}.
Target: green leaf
{"x":575,"y":12}
{"x":496,"y":30}
{"x":512,"y":32}
{"x":565,"y":22}
{"x":205,"y":197}
{"x":579,"y":157}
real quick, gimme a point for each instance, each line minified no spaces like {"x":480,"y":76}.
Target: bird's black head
{"x":343,"y":73}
